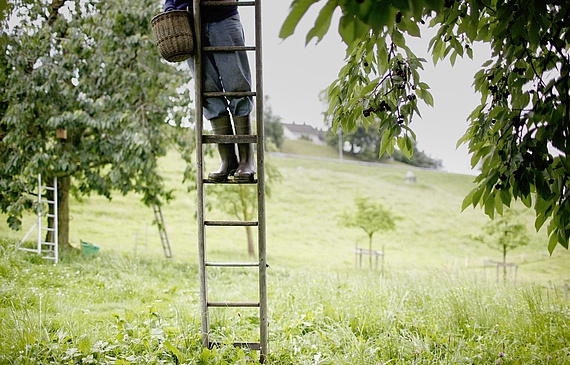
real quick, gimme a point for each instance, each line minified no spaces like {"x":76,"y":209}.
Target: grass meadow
{"x":433,"y":303}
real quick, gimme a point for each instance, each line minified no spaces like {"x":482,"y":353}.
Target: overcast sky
{"x":294,"y":74}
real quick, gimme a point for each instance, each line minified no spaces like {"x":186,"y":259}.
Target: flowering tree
{"x":88,"y":68}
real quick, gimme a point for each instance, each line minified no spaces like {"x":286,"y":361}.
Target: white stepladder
{"x":47,"y":242}
{"x":260,"y":265}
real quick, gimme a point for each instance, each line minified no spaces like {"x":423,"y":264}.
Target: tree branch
{"x":54,"y":11}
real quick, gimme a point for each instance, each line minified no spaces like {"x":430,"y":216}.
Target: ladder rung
{"x":235,"y":94}
{"x":229,"y":138}
{"x":234,"y":304}
{"x":47,"y":188}
{"x":232,"y":264}
{"x":256,"y":346}
{"x":47,"y":201}
{"x":229,"y":181}
{"x":230,"y":223}
{"x":28,"y":249}
{"x":48,"y":229}
{"x":48,"y":215}
{"x":246,"y":345}
{"x":227,"y":3}
{"x":48,"y":244}
{"x":228,"y":48}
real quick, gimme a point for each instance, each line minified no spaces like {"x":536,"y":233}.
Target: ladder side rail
{"x":159,"y":219}
{"x":55,"y":237}
{"x":164,"y":235}
{"x":200,"y":173}
{"x":39,"y":209}
{"x":228,"y":3}
{"x":261,"y":231}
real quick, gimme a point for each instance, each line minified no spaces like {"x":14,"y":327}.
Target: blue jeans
{"x":225,"y":71}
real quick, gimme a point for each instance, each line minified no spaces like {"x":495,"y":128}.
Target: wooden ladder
{"x":159,"y":218}
{"x":258,"y":139}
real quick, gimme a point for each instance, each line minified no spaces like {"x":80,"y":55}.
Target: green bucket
{"x":89,"y":249}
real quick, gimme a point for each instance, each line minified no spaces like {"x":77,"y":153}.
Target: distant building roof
{"x":301,"y":128}
{"x":296,"y":131}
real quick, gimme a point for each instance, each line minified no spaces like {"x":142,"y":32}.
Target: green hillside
{"x":302,"y":220}
{"x":435,"y":303}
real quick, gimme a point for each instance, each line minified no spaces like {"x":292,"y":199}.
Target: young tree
{"x":519,"y":134}
{"x":240,"y":200}
{"x":371,"y":217}
{"x":504,"y":234}
{"x":272,"y":126}
{"x":91,"y":69}
{"x":364,"y":142}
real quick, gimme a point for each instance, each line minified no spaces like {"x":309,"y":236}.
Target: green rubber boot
{"x":222,"y":125}
{"x":246,"y":168}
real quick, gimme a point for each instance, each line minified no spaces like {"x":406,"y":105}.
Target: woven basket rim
{"x":167,"y":14}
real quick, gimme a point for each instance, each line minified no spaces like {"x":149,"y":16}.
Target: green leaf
{"x":506,"y":198}
{"x":498,"y":204}
{"x":527,"y":200}
{"x":298,"y":10}
{"x":552,"y":242}
{"x":468,"y":200}
{"x":368,"y":88}
{"x":387,"y":143}
{"x":533,"y":32}
{"x":323,"y":22}
{"x":175,"y":351}
{"x":539,"y":221}
{"x":490,"y":206}
{"x":410,"y":27}
{"x":398,"y":38}
{"x":427,"y":97}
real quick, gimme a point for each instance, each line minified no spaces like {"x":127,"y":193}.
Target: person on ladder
{"x":225,"y":72}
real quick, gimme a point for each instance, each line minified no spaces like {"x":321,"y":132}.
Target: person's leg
{"x":233,"y":67}
{"x":216,"y":106}
{"x":216,"y":111}
{"x":235,"y":75}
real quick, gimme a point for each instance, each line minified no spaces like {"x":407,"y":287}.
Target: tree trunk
{"x":370,"y":249}
{"x":247,"y":215}
{"x":250,"y":249}
{"x":504,"y":263}
{"x":63,"y":187}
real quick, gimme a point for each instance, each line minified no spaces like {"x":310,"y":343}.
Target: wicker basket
{"x":174,"y":35}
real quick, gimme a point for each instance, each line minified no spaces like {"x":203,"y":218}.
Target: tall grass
{"x":434,"y":304}
{"x":120,"y":309}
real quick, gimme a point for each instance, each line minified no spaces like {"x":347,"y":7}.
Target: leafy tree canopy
{"x":518,"y":135}
{"x":273,"y":126}
{"x":370,"y":216}
{"x":90,"y":68}
{"x":365,"y":144}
